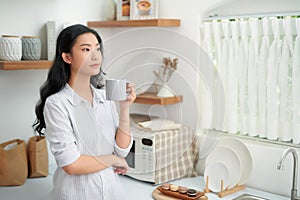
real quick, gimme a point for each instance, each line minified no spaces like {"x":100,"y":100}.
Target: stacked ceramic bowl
{"x":228,"y":165}
{"x":10,"y":48}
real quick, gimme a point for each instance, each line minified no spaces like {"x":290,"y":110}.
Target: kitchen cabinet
{"x":25,"y":65}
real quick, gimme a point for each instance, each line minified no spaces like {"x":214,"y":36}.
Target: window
{"x":258,"y":61}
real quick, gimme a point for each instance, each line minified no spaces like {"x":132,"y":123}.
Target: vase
{"x":165,"y":91}
{"x":31,"y":48}
{"x":51,"y":39}
{"x":109,"y":10}
{"x":10,"y":48}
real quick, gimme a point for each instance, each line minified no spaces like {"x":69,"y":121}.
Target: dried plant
{"x":167,"y":69}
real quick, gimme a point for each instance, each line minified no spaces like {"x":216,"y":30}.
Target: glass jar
{"x":31,"y":48}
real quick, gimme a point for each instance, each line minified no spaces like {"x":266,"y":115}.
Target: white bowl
{"x":243,"y":153}
{"x":230,"y":158}
{"x":216,"y":172}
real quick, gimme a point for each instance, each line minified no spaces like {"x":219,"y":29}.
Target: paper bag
{"x":13,"y":163}
{"x":37,"y":157}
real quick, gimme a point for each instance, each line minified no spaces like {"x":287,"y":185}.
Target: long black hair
{"x":59,"y":73}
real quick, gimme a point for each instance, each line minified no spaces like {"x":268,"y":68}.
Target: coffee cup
{"x":144,"y":7}
{"x":115,"y":89}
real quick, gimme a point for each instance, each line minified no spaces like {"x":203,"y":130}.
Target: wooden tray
{"x":157,"y":195}
{"x":177,"y":195}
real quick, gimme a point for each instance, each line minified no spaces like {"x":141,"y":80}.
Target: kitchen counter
{"x":38,"y":188}
{"x":136,"y":189}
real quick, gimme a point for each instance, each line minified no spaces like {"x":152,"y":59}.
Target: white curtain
{"x":258,"y":60}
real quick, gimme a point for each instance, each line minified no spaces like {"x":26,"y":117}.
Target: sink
{"x":249,"y":197}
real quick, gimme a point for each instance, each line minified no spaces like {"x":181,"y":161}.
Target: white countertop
{"x":38,"y":189}
{"x":136,"y":189}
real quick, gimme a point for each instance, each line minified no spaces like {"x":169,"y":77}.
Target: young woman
{"x":87,"y":137}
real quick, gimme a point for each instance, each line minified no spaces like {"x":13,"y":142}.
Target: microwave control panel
{"x":147,"y":155}
{"x":141,"y":157}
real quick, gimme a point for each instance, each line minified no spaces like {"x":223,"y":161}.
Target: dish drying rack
{"x":224,"y":191}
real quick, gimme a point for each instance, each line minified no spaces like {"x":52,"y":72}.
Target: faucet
{"x":295,"y":171}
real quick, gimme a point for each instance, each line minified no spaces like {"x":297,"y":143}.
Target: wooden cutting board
{"x":157,"y":195}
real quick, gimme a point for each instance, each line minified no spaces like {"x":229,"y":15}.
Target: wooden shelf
{"x":25,"y":65}
{"x":150,"y":98}
{"x":134,"y":23}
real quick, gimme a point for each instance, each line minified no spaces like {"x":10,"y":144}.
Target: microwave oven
{"x":162,"y":156}
{"x":141,"y":157}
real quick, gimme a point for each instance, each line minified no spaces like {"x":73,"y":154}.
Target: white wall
{"x":19,"y":89}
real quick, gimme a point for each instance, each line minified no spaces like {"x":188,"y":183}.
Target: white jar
{"x":10,"y":48}
{"x":31,"y":48}
{"x":109,"y":10}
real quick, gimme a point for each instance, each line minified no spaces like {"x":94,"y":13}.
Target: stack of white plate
{"x":230,"y":161}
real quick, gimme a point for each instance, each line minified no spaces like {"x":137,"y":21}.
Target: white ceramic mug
{"x":115,"y":89}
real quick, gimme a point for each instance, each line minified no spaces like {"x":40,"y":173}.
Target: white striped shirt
{"x":75,"y":127}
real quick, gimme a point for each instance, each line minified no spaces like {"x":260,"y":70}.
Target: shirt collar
{"x":97,"y":95}
{"x":75,"y":99}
